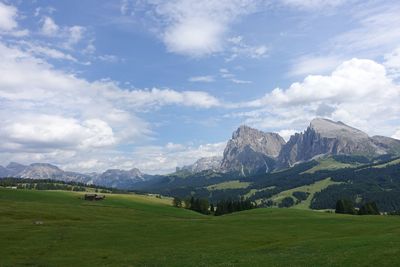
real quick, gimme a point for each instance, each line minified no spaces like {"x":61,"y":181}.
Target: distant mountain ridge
{"x":249,"y":152}
{"x":123,"y":179}
{"x":203,"y":164}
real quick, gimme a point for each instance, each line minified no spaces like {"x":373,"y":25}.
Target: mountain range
{"x":115,"y":178}
{"x":249,"y":152}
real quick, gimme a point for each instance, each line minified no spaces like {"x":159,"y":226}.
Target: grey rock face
{"x":14,"y":168}
{"x":120,"y":178}
{"x":326,"y":137}
{"x":390,"y":145}
{"x":203,"y":164}
{"x":48,"y":171}
{"x":251,"y":151}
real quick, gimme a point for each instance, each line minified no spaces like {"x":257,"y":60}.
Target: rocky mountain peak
{"x":202,"y":164}
{"x":44,"y":165}
{"x":326,"y":137}
{"x":331,"y":129}
{"x":264,"y":142}
{"x":251,"y":151}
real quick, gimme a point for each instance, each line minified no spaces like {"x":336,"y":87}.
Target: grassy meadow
{"x":56,"y":228}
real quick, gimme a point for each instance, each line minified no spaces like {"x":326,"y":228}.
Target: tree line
{"x":345,"y":206}
{"x":222,"y":207}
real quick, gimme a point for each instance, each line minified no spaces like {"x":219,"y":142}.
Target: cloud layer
{"x":358,"y":92}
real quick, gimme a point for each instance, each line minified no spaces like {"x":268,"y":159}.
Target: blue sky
{"x":90,"y":85}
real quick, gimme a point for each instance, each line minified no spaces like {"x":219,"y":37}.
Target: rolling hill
{"x":42,"y":228}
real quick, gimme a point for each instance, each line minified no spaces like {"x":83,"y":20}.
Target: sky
{"x":90,"y":85}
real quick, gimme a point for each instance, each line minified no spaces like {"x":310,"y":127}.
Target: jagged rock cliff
{"x":251,"y":151}
{"x":326,"y":137}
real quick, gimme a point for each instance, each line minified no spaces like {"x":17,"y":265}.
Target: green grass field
{"x":128,"y":230}
{"x":235,"y":184}
{"x":329,"y":163}
{"x":311,"y":189}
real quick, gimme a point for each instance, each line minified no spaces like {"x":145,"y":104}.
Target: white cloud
{"x":227,"y":75}
{"x":70,"y":35}
{"x":287,"y":133}
{"x":314,"y":65}
{"x":43,"y":132}
{"x":358,"y":92}
{"x":49,"y":27}
{"x":47,"y":52}
{"x":48,"y":114}
{"x":164,"y":159}
{"x":108,"y":58}
{"x":8,"y":21}
{"x":240,"y":48}
{"x":396,"y":134}
{"x":206,"y":79}
{"x":8,"y":15}
{"x":75,"y":34}
{"x":240,"y":81}
{"x":197,"y":28}
{"x":313,"y":4}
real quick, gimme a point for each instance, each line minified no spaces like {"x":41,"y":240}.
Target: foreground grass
{"x":135,"y":231}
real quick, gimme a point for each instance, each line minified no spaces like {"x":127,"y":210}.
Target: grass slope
{"x":393,"y":162}
{"x":234,"y":184}
{"x":140,"y":231}
{"x":330,"y":163}
{"x":311,"y":189}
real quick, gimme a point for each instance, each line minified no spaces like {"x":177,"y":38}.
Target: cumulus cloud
{"x":8,"y":15}
{"x":197,"y":28}
{"x":8,"y":21}
{"x":150,"y":159}
{"x":358,"y":92}
{"x":45,"y":132}
{"x":164,"y":159}
{"x":46,"y":112}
